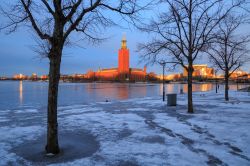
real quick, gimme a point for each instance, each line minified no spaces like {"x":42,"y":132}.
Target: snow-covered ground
{"x":140,"y":131}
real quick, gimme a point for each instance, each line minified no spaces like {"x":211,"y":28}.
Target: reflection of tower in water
{"x":123,"y":92}
{"x":21,"y":92}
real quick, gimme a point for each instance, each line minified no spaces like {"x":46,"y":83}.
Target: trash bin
{"x":171,"y":99}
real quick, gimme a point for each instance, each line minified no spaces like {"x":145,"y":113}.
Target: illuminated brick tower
{"x":121,"y":73}
{"x":123,"y":60}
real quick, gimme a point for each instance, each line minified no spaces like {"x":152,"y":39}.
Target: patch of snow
{"x":2,"y":119}
{"x":12,"y":136}
{"x":16,"y":134}
{"x":50,"y":154}
{"x":80,"y":110}
{"x":7,"y":158}
{"x":137,"y":109}
{"x":26,"y":111}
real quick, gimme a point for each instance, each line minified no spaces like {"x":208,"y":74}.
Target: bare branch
{"x":32,"y":20}
{"x":48,"y":7}
{"x":228,"y":50}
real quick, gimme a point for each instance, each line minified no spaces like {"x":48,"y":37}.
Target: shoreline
{"x":127,"y":82}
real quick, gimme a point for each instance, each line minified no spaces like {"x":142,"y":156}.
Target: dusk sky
{"x":17,"y":54}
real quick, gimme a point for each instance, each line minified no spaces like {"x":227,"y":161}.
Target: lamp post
{"x":237,"y":80}
{"x":216,"y":82}
{"x":163,"y":64}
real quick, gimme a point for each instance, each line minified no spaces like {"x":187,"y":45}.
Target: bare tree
{"x":183,"y":31}
{"x":53,"y":22}
{"x":228,"y":52}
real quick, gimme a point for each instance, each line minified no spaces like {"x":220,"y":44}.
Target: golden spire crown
{"x":124,"y":42}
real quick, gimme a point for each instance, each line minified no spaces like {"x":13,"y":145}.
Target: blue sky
{"x":17,"y":55}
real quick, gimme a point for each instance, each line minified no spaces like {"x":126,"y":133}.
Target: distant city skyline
{"x":17,"y":53}
{"x":18,"y":56}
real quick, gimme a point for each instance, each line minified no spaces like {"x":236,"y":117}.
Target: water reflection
{"x":206,"y":87}
{"x":170,"y":88}
{"x":234,"y":86}
{"x":21,"y":92}
{"x":122,"y":93}
{"x":176,"y":88}
{"x":141,"y":89}
{"x":198,"y":87}
{"x":14,"y":94}
{"x":117,"y":91}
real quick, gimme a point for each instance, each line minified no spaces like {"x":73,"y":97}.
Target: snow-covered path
{"x":140,"y":131}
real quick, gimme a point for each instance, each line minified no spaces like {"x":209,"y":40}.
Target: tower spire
{"x":124,"y":41}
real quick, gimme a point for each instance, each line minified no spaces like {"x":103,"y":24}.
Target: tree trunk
{"x":54,"y":76}
{"x":190,"y":96}
{"x":226,"y":85}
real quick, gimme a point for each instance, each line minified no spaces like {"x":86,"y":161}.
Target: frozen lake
{"x":132,"y":132}
{"x":135,"y":128}
{"x":19,"y":94}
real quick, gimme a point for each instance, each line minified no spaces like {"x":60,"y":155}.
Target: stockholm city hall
{"x":123,"y":72}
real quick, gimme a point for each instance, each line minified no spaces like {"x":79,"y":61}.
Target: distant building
{"x":170,"y":77}
{"x":3,"y":78}
{"x":20,"y":77}
{"x":151,"y":77}
{"x":202,"y":71}
{"x":44,"y":77}
{"x":90,"y":75}
{"x":34,"y":76}
{"x":238,"y":73}
{"x":123,"y":72}
{"x":73,"y":77}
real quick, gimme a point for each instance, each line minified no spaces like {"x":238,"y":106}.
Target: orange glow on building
{"x":238,"y":73}
{"x":44,"y":77}
{"x":201,"y":71}
{"x":20,"y":77}
{"x":123,"y":60}
{"x":169,"y":77}
{"x":34,"y":76}
{"x":123,"y":72}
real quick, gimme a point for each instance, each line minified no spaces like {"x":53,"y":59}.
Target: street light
{"x":237,"y":80}
{"x":216,"y":81}
{"x":163,"y":64}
